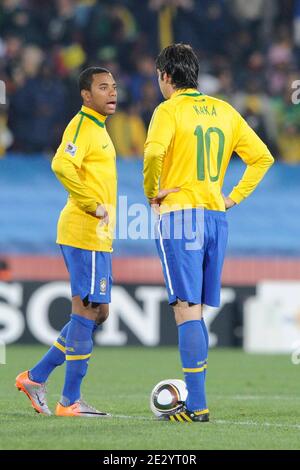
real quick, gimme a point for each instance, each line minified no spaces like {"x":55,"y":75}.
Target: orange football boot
{"x":35,"y":391}
{"x":80,"y":409}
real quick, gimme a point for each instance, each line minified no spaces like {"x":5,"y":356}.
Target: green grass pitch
{"x":253,"y":399}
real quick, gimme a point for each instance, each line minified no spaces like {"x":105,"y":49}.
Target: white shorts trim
{"x":169,"y":282}
{"x":93,"y":272}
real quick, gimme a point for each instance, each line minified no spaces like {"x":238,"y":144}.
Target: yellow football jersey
{"x":189,"y":144}
{"x":85,"y":163}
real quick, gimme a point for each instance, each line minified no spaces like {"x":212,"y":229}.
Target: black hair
{"x":180,"y":62}
{"x":86,"y":77}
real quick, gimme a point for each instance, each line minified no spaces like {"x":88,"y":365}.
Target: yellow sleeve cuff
{"x":236,"y":196}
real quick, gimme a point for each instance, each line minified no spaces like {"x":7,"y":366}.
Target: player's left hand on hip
{"x":101,"y":213}
{"x":228,"y":202}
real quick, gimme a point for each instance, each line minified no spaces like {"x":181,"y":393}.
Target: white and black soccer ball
{"x":167,"y":396}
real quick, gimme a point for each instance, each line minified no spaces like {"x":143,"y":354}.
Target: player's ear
{"x":85,"y":95}
{"x":167,"y":78}
{"x":160,"y":74}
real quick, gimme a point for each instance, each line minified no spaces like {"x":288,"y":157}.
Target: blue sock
{"x":79,"y":345}
{"x":54,"y":357}
{"x":192,"y":348}
{"x":205,"y":332}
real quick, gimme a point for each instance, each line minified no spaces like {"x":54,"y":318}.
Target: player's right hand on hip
{"x":161,"y":196}
{"x":156,"y":201}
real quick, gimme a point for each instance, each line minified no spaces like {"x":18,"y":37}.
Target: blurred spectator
{"x":128,"y":132}
{"x":32,"y":57}
{"x":248,"y":51}
{"x":253,"y":115}
{"x":289,"y":143}
{"x":148,"y":101}
{"x":287,"y":119}
{"x":62,"y":25}
{"x":145,"y":73}
{"x":16,"y":18}
{"x":256,"y":106}
{"x":226,"y":85}
{"x":280,"y":59}
{"x":37,"y":112}
{"x":250,"y":13}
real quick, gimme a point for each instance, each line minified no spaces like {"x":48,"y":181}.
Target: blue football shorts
{"x":191,"y":245}
{"x":90,"y":273}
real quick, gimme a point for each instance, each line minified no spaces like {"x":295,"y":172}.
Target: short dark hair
{"x":180,"y":62}
{"x":86,"y":77}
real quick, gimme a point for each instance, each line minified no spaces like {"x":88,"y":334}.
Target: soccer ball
{"x":166,"y":396}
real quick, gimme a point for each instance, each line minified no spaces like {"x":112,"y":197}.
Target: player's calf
{"x":102,"y":313}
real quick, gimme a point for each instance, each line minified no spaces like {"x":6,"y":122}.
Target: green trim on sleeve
{"x":77,"y":130}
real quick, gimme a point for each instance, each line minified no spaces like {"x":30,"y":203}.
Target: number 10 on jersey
{"x":204,"y":148}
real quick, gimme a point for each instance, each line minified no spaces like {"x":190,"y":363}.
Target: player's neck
{"x":178,"y":91}
{"x":169,"y":92}
{"x":93,"y":111}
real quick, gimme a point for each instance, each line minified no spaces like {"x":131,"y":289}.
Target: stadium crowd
{"x":249,"y":54}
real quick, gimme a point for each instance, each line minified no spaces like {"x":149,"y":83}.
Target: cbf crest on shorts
{"x":103,"y":285}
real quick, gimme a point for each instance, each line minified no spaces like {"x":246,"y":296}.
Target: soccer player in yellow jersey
{"x":189,"y":145}
{"x":85,"y":164}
